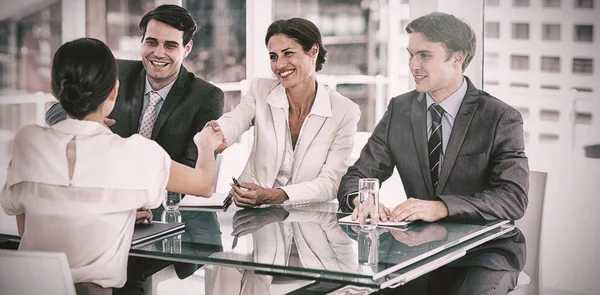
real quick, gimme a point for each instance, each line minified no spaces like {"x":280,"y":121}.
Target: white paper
{"x":400,"y":224}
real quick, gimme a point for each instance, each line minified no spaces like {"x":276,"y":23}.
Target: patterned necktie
{"x":150,"y":115}
{"x":435,"y":142}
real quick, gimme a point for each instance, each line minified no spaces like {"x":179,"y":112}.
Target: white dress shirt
{"x":83,"y":202}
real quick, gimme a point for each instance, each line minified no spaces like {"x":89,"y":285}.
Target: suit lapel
{"x":309,"y":131}
{"x":418,"y":121}
{"x":461,"y":126}
{"x":279,"y":124}
{"x":171,"y":102}
{"x":137,"y":102}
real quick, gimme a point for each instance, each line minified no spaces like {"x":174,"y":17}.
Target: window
{"x":519,"y":84}
{"x":549,"y":115}
{"x":550,"y":64}
{"x":583,"y":89}
{"x":519,"y":62}
{"x":520,"y":31}
{"x":584,"y":33}
{"x":548,"y":137}
{"x":550,"y":87}
{"x":521,"y":3}
{"x":584,"y":3}
{"x":551,"y":3}
{"x":492,"y":2}
{"x":491,"y":82}
{"x":551,"y":32}
{"x":492,"y":60}
{"x":583,"y":66}
{"x":492,"y":30}
{"x":583,"y":118}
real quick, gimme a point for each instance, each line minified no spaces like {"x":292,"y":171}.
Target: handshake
{"x":211,"y":136}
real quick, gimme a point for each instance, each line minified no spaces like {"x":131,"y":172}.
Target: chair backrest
{"x":29,"y":272}
{"x":531,"y":226}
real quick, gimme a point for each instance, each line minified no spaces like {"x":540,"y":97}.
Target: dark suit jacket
{"x":484,"y":176}
{"x":191,"y":103}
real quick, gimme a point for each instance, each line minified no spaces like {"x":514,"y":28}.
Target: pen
{"x":235,"y":240}
{"x":228,"y":200}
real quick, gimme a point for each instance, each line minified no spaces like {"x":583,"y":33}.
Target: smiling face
{"x":290,"y":64}
{"x":162,"y":53}
{"x":434,"y":70}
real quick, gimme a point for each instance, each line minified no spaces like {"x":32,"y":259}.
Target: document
{"x":146,"y":231}
{"x":191,"y":202}
{"x":402,"y":224}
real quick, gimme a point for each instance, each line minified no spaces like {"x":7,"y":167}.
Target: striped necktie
{"x":435,"y":142}
{"x":150,"y":115}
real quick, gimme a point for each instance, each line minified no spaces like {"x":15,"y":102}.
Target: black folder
{"x":144,"y":232}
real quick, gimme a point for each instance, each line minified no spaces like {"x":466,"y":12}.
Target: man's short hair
{"x":456,"y":34}
{"x":174,"y":16}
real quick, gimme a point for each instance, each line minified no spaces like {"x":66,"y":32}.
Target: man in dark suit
{"x":459,"y":153}
{"x":186,"y":102}
{"x":161,"y":100}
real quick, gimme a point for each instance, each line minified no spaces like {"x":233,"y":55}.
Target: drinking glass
{"x":171,"y":200}
{"x":368,"y":247}
{"x":368,"y":202}
{"x":170,"y":216}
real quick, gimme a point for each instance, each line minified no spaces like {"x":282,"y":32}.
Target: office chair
{"x":530,"y":278}
{"x":31,"y":272}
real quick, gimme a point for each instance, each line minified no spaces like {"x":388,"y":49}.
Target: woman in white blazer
{"x":303,"y":130}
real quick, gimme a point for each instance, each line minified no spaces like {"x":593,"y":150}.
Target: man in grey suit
{"x":459,"y":153}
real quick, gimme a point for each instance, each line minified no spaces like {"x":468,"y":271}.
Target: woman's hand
{"x":215,"y":126}
{"x":209,"y":137}
{"x":252,"y":195}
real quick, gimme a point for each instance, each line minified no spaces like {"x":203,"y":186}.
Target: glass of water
{"x":171,"y":200}
{"x":368,"y":202}
{"x":368,"y":248}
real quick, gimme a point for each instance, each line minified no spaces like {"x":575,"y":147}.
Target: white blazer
{"x":323,"y":147}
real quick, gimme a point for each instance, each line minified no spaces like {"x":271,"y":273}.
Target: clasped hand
{"x":409,"y":210}
{"x":252,"y":195}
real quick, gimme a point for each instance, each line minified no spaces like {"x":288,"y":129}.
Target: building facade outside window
{"x":551,"y":64}
{"x":520,"y":31}
{"x":584,"y":3}
{"x":519,"y":62}
{"x":584,"y":33}
{"x":583,"y":66}
{"x":551,"y":32}
{"x":551,"y":3}
{"x":521,"y":3}
{"x":492,"y":30}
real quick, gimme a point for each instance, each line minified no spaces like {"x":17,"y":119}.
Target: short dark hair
{"x":84,"y":72}
{"x":174,"y":16}
{"x":301,"y":30}
{"x":456,"y":34}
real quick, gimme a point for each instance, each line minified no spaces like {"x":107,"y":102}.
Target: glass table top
{"x":308,"y":242}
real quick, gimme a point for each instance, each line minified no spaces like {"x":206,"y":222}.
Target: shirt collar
{"x":321,"y":106}
{"x":163,"y":92}
{"x":452,"y":103}
{"x":80,"y":127}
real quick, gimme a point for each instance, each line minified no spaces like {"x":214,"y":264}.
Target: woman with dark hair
{"x":303,"y":130}
{"x":75,"y":186}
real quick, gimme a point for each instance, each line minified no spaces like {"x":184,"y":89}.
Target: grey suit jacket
{"x":189,"y":105}
{"x":484,"y":177}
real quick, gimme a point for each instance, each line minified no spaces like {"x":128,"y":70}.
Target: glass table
{"x":307,"y":242}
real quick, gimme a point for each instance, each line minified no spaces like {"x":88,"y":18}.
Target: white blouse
{"x":79,"y":186}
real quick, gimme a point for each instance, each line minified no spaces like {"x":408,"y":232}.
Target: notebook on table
{"x":398,"y":225}
{"x":144,"y":232}
{"x":194,"y":203}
